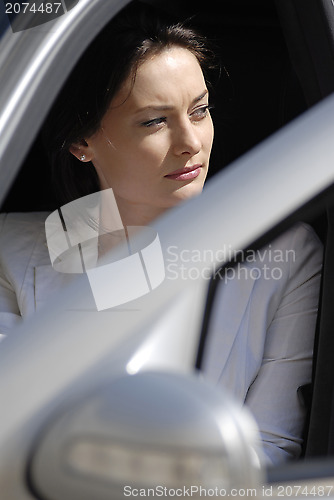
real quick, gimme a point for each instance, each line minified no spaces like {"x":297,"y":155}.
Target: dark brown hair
{"x":136,"y":33}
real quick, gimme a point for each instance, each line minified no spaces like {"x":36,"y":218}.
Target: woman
{"x":137,"y":120}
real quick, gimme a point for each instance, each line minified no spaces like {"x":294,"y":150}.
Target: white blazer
{"x":261,"y":336}
{"x":261,"y":331}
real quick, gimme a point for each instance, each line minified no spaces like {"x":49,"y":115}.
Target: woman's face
{"x":155,"y":140}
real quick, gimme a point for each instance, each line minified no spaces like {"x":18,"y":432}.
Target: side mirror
{"x":153,"y":433}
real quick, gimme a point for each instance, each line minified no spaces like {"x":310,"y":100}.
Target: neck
{"x":116,"y":220}
{"x":134,"y":214}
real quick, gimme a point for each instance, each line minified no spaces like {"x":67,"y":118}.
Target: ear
{"x":81,"y":151}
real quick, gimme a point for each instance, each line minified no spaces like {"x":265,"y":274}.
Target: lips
{"x":185,"y":173}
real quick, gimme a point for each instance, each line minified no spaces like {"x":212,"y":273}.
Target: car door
{"x":248,"y":193}
{"x":309,"y":34}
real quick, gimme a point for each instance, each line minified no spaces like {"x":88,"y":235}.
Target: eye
{"x":200,"y":112}
{"x":155,"y":121}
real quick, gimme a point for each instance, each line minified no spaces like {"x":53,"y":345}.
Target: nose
{"x":186,"y":139}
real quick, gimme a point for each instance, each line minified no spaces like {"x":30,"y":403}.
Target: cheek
{"x":153,"y":149}
{"x":208,"y":135}
{"x":138,"y":162}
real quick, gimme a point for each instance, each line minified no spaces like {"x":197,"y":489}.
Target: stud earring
{"x":82,"y":157}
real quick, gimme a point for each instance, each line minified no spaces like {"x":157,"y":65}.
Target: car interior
{"x":276,"y":61}
{"x":257,"y":91}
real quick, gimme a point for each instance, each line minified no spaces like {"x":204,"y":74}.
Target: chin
{"x":183,"y":194}
{"x":190,"y":190}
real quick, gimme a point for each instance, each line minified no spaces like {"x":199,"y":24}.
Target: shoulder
{"x":19,"y":235}
{"x":297,"y":247}
{"x":302,"y":248}
{"x":16,"y":220}
{"x":286,"y":263}
{"x":20,"y":230}
{"x":297,"y":236}
{"x":18,"y":227}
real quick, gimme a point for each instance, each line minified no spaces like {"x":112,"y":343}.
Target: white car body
{"x":41,"y":365}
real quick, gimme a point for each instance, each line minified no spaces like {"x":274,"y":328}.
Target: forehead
{"x":172,"y":76}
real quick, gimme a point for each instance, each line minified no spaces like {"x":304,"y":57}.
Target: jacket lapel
{"x":230,"y":306}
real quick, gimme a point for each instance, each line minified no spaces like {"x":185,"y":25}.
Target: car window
{"x":23,"y":72}
{"x":4,"y":22}
{"x":257,"y":92}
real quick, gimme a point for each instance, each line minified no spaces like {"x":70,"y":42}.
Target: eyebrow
{"x":165,"y":107}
